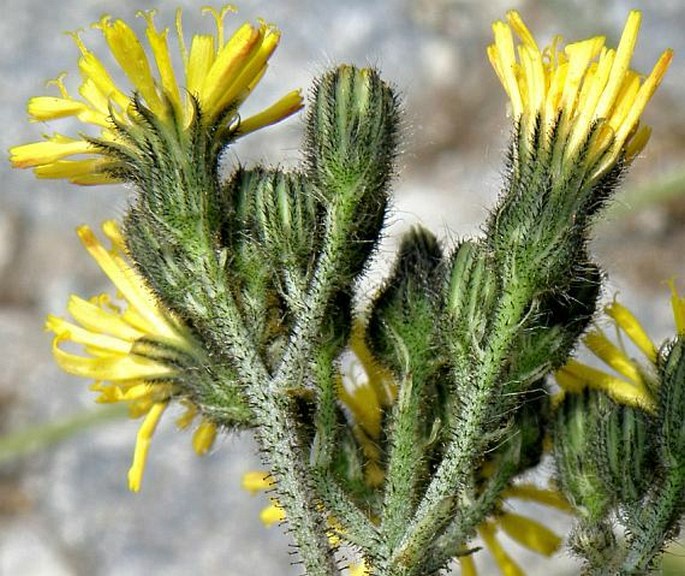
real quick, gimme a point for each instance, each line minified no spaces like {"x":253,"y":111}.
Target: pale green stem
{"x":34,"y":438}
{"x":447,"y":486}
{"x":668,"y":187}
{"x":276,"y":429}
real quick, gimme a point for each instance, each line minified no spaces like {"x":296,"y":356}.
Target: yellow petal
{"x":644,"y":95}
{"x":69,"y":331}
{"x":379,"y":377}
{"x":516,"y":22}
{"x":678,"y":306}
{"x":358,"y":569}
{"x":467,"y":567}
{"x":230,"y":61}
{"x":362,"y":402}
{"x":96,"y":319}
{"x":505,"y":56}
{"x":143,"y":439}
{"x":505,"y":563}
{"x":579,"y":55}
{"x":556,"y":86}
{"x":532,"y":493}
{"x":112,"y":368}
{"x":624,"y":101}
{"x":534,"y":74}
{"x":97,"y":100}
{"x":637,"y":143}
{"x":42,"y":108}
{"x":529,"y":533}
{"x":131,"y":56}
{"x":109,"y":393}
{"x":593,"y":86}
{"x":93,"y":70}
{"x":272,"y":514}
{"x":621,"y":391}
{"x":612,"y":355}
{"x":627,"y":322}
{"x":156,"y":392}
{"x":286,"y":106}
{"x":621,"y":63}
{"x":569,"y":381}
{"x":114,"y":235}
{"x":186,"y":419}
{"x":200,"y":60}
{"x":257,"y":481}
{"x":204,"y":436}
{"x":84,"y":172}
{"x":253,"y":69}
{"x":160,"y":50}
{"x":140,"y":407}
{"x":47,"y":151}
{"x":130,"y":284}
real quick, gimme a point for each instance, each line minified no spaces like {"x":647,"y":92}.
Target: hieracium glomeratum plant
{"x":394,"y":431}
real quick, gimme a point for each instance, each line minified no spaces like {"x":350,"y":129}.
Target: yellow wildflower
{"x":631,"y":382}
{"x":583,"y":101}
{"x":133,"y":352}
{"x":219,"y":74}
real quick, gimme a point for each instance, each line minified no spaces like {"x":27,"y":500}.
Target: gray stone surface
{"x":70,"y":513}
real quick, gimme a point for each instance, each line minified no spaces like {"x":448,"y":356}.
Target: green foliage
{"x":264,"y":269}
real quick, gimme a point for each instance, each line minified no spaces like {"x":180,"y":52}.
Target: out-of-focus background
{"x":65,"y":510}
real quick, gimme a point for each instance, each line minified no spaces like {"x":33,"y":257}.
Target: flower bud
{"x":603,"y":453}
{"x":672,"y":404}
{"x":350,"y":147}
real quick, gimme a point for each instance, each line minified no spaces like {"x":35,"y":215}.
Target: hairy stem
{"x":450,"y":481}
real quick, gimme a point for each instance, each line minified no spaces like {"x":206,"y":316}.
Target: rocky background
{"x":65,"y":510}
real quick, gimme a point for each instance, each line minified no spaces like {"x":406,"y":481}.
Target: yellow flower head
{"x":583,"y":100}
{"x":218,"y":75}
{"x":632,"y":382}
{"x":133,"y":352}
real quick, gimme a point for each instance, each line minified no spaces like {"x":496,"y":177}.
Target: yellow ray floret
{"x":505,"y":563}
{"x":218,"y":74}
{"x":257,"y":481}
{"x":529,"y":533}
{"x":585,"y":95}
{"x":118,"y":348}
{"x":678,"y":306}
{"x":632,"y":381}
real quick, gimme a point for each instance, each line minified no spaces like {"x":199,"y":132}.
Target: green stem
{"x":325,"y":281}
{"x":276,"y":433}
{"x":447,"y":488}
{"x":404,"y":463}
{"x":357,"y":527}
{"x":278,"y":439}
{"x":276,"y":428}
{"x":452,"y":542}
{"x":41,"y":436}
